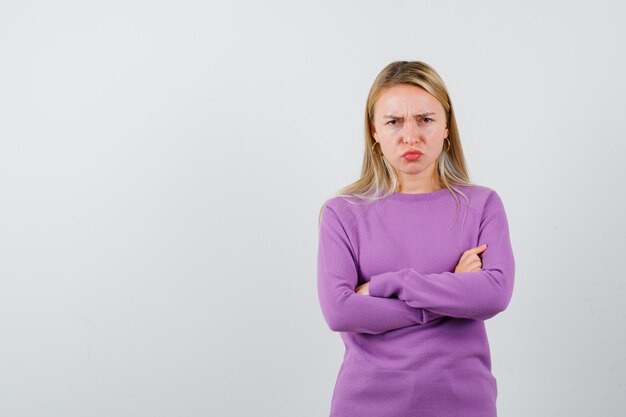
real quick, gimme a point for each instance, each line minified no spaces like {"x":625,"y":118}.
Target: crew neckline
{"x":397,"y":196}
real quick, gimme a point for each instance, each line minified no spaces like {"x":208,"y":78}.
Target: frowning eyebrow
{"x":391,"y":116}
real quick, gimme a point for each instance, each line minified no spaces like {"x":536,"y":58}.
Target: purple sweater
{"x":417,"y":345}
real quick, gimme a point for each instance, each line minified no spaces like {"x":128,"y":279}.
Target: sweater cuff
{"x":382,"y":285}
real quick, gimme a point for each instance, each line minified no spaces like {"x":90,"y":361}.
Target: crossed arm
{"x":406,"y":297}
{"x":343,"y":309}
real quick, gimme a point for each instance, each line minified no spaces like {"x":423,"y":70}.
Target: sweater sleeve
{"x":343,"y":309}
{"x":476,"y":295}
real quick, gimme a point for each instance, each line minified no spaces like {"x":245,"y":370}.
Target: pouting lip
{"x":412,"y":151}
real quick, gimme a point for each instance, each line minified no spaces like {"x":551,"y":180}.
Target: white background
{"x":162,"y":165}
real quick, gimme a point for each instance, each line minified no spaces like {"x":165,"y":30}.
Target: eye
{"x":393,"y":120}
{"x":427,"y":118}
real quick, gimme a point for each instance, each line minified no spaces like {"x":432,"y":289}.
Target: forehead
{"x":404,"y":98}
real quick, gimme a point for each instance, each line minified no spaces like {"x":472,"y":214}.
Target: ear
{"x":374,"y":135}
{"x":446,"y":133}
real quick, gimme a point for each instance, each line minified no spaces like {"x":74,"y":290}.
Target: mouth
{"x":412,"y":155}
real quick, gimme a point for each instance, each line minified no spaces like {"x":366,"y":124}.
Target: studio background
{"x":162,"y":166}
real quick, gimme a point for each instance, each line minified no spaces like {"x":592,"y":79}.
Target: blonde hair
{"x":378,"y":177}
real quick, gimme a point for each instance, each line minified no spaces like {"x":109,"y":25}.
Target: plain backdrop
{"x":163,"y":163}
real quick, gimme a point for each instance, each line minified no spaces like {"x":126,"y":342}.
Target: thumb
{"x":478,"y":249}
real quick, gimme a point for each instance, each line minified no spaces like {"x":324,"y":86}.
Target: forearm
{"x":476,"y":295}
{"x":347,"y":311}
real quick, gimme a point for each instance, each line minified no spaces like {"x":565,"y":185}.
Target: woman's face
{"x":408,"y":118}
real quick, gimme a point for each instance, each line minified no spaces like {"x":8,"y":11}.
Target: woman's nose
{"x":411,"y":132}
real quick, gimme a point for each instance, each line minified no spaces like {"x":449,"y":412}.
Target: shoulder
{"x":348,"y":210}
{"x":480,"y":197}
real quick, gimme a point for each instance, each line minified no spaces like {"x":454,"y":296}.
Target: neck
{"x":417,"y":186}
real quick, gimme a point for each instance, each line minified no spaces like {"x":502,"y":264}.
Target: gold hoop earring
{"x":449,"y":145}
{"x":374,"y":150}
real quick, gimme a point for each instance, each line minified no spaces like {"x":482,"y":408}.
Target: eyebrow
{"x":391,"y":116}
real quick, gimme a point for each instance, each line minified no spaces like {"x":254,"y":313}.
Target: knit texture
{"x":417,"y":345}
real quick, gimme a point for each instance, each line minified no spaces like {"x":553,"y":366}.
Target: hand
{"x":363,"y":289}
{"x":470,"y":261}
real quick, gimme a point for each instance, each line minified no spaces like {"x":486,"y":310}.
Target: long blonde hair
{"x":378,"y":177}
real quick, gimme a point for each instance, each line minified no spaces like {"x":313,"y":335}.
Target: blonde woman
{"x":412,"y":259}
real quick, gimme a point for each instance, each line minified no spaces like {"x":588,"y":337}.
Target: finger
{"x":476,"y":250}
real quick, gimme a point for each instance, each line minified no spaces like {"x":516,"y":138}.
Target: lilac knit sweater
{"x":417,"y":345}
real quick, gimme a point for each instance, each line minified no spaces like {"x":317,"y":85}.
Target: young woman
{"x":412,"y":259}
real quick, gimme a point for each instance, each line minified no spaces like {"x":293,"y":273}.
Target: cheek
{"x":390,"y":136}
{"x":436,"y":138}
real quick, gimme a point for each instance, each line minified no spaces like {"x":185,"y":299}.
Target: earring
{"x":374,"y":150}
{"x":449,"y":145}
